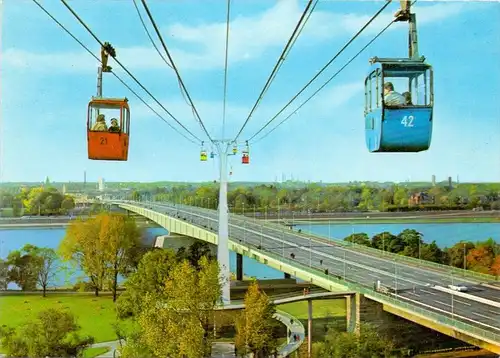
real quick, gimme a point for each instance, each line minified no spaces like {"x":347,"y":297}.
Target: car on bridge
{"x":460,"y":287}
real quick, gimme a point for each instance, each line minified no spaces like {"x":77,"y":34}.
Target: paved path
{"x":294,"y":327}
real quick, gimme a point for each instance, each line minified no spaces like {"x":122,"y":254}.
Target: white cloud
{"x":250,"y":38}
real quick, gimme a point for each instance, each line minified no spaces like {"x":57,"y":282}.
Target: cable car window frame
{"x":125,"y":120}
{"x":369,"y":99}
{"x":119,"y":105}
{"x":423,"y":69}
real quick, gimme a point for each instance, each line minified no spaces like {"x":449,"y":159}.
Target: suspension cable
{"x":195,"y":111}
{"x":149,"y":35}
{"x":225,"y":68}
{"x":156,"y":47}
{"x":116,"y":76}
{"x":277,"y":66}
{"x":125,"y":69}
{"x":326,"y":83}
{"x":324,"y":68}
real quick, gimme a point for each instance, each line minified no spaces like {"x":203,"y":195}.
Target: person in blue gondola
{"x":407,"y":96}
{"x":391,"y":97}
{"x":114,"y":128}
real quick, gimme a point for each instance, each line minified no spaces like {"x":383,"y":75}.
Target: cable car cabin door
{"x":108,"y":144}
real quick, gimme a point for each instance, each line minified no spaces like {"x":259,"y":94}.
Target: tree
{"x":54,"y":333}
{"x":152,"y":272}
{"x":198,"y":250}
{"x":120,"y":235}
{"x":480,"y":259}
{"x":31,"y":200}
{"x":135,"y":195}
{"x":23,"y":269}
{"x":17,"y":206}
{"x":412,"y":241}
{"x":68,"y":203}
{"x":348,"y":345}
{"x":431,"y":252}
{"x":381,"y":241}
{"x":495,"y":266}
{"x":4,"y":274}
{"x":454,"y":256}
{"x":182,"y":312}
{"x":256,"y":326}
{"x":102,"y":246}
{"x":82,"y":246}
{"x":45,"y":261}
{"x":400,"y":196}
{"x":359,"y":238}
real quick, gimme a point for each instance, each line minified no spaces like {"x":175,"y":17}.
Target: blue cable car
{"x":399,"y":98}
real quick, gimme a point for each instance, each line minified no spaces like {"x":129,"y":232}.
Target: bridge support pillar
{"x":353,"y":303}
{"x":287,"y":275}
{"x":309,"y":327}
{"x":239,"y":267}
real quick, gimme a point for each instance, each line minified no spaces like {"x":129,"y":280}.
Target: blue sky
{"x":48,"y":79}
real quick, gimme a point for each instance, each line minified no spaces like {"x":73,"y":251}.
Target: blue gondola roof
{"x":378,"y":63}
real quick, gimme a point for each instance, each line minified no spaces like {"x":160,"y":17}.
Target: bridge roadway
{"x":411,"y":284}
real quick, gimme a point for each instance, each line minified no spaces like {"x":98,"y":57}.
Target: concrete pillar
{"x":309,"y":328}
{"x":239,"y":267}
{"x":353,"y":303}
{"x":287,"y":275}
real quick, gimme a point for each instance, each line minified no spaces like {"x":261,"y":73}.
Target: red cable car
{"x":245,"y":159}
{"x":108,"y":143}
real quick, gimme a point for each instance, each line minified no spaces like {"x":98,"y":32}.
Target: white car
{"x":458,"y":287}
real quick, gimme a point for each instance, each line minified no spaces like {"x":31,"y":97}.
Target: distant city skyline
{"x":50,"y":80}
{"x":100,"y":181}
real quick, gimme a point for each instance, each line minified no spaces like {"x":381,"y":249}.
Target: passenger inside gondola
{"x":391,"y":97}
{"x":100,"y":124}
{"x":115,"y":128}
{"x":407,"y":97}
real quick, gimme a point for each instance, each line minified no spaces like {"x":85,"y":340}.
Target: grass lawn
{"x":321,"y":308}
{"x":94,"y":352}
{"x":94,"y":314}
{"x":327,"y":314}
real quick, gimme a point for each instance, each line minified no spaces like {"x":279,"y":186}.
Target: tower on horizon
{"x":101,"y":184}
{"x":433,"y":180}
{"x":84,"y":178}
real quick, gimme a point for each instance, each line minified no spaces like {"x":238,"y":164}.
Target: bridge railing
{"x":413,"y":308}
{"x":369,"y":250}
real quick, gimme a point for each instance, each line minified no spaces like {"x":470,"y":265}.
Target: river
{"x":445,"y":234}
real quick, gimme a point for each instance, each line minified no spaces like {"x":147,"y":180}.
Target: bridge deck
{"x":352,"y":268}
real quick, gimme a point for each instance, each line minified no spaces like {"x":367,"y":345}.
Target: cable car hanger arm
{"x":405,"y":14}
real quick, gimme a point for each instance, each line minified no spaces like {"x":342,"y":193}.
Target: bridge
{"x":417,"y":289}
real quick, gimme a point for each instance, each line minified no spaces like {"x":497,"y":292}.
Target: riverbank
{"x":417,"y":217}
{"x":55,"y":224}
{"x":396,"y":220}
